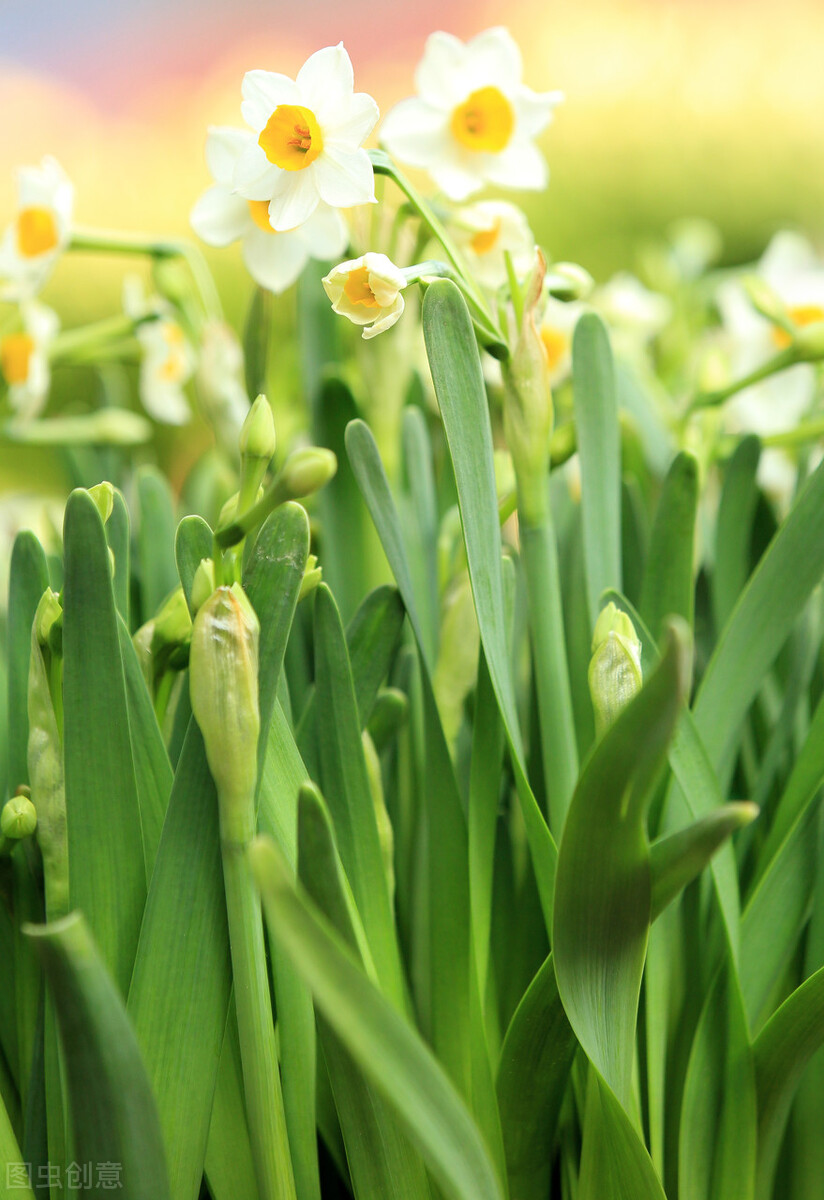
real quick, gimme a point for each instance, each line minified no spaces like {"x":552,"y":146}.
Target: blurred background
{"x":708,"y":108}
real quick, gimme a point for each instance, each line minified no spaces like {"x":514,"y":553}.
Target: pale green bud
{"x":528,"y":406}
{"x":223,"y":685}
{"x":569,"y":281}
{"x":229,"y":510}
{"x":18,"y":818}
{"x":173,"y":623}
{"x":48,"y":614}
{"x":103,"y":496}
{"x":615,"y":667}
{"x":203,"y":583}
{"x":312,"y":576}
{"x":306,"y":471}
{"x":257,"y":437}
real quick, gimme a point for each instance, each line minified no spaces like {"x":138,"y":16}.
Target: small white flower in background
{"x":168,"y":358}
{"x":794,"y":272}
{"x":24,"y":360}
{"x":367,"y":290}
{"x":556,"y":328}
{"x":488,"y":229}
{"x":630,"y":308}
{"x":308,"y":137}
{"x":220,"y":380}
{"x":220,"y":216}
{"x":39,"y":233}
{"x":473,"y":121}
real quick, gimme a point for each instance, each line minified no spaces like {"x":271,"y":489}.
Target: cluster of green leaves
{"x":495,"y":974}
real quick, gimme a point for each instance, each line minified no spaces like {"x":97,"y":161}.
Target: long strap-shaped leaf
{"x":668,"y":588}
{"x":114,"y":1119}
{"x":388,"y":1050}
{"x":107,"y":880}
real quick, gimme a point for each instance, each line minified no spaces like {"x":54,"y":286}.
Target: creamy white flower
{"x":630,"y":307}
{"x":168,"y":358}
{"x":39,"y":233}
{"x":556,"y":328}
{"x":367,"y":290}
{"x":795,"y":274}
{"x":488,"y":229}
{"x":220,"y":380}
{"x":308,"y":137}
{"x":220,"y":216}
{"x":473,"y":121}
{"x":24,"y":360}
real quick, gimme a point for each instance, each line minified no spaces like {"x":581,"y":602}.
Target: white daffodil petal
{"x":344,"y":179}
{"x":416,"y":133}
{"x":326,"y":81}
{"x":164,"y":401}
{"x":533,"y":110}
{"x":325,"y":233}
{"x":386,"y":320}
{"x":494,"y":59}
{"x":295,"y":200}
{"x":262,"y":92}
{"x":255,"y":177}
{"x":274,"y":260}
{"x":220,"y":216}
{"x":519,"y":166}
{"x":223,"y":148}
{"x":351,"y":125}
{"x":455,"y":181}
{"x":443,"y":58}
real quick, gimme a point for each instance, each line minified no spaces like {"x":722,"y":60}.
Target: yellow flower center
{"x":259,"y":212}
{"x":36,"y":231}
{"x":484,"y":121}
{"x":15,"y":356}
{"x":485,"y":239}
{"x":801,"y":315}
{"x":292,"y":138}
{"x":555,"y":344}
{"x":173,"y":368}
{"x":357,"y":289}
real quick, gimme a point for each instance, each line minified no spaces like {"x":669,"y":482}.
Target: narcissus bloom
{"x":24,"y":360}
{"x":308,"y":137}
{"x":220,"y":216}
{"x":39,"y":233}
{"x":367,"y":290}
{"x":168,"y":358}
{"x":473,"y":121}
{"x":487,"y":230}
{"x":556,"y":328}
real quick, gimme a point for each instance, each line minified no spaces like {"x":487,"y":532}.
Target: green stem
{"x":785,"y":358}
{"x":89,"y":337}
{"x":539,"y":554}
{"x":383,"y":165}
{"x":807,"y":431}
{"x":514,"y":290}
{"x":258,"y":1053}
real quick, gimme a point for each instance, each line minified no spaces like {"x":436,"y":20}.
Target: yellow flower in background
{"x":308,"y":137}
{"x":168,"y":358}
{"x":220,"y":216}
{"x":24,"y":360}
{"x":556,"y":328}
{"x":473,"y":121}
{"x":35,"y":239}
{"x":486,"y":231}
{"x":367,"y":290}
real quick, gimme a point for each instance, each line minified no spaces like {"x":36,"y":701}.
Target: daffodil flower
{"x":308,"y":137}
{"x":473,"y":121}
{"x":488,"y":230}
{"x":220,"y":381}
{"x":167,"y":360}
{"x":39,"y":233}
{"x":556,"y":328}
{"x":24,"y":361}
{"x":367,"y":290}
{"x":220,"y":216}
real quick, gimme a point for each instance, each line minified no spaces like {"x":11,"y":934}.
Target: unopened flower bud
{"x":48,"y":613}
{"x":306,"y":471}
{"x":312,"y":575}
{"x":569,"y":281}
{"x":229,"y":510}
{"x":18,"y":818}
{"x":203,"y":584}
{"x":223,"y":685}
{"x":257,"y":437}
{"x":103,"y":496}
{"x":173,"y":623}
{"x":615,"y":667}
